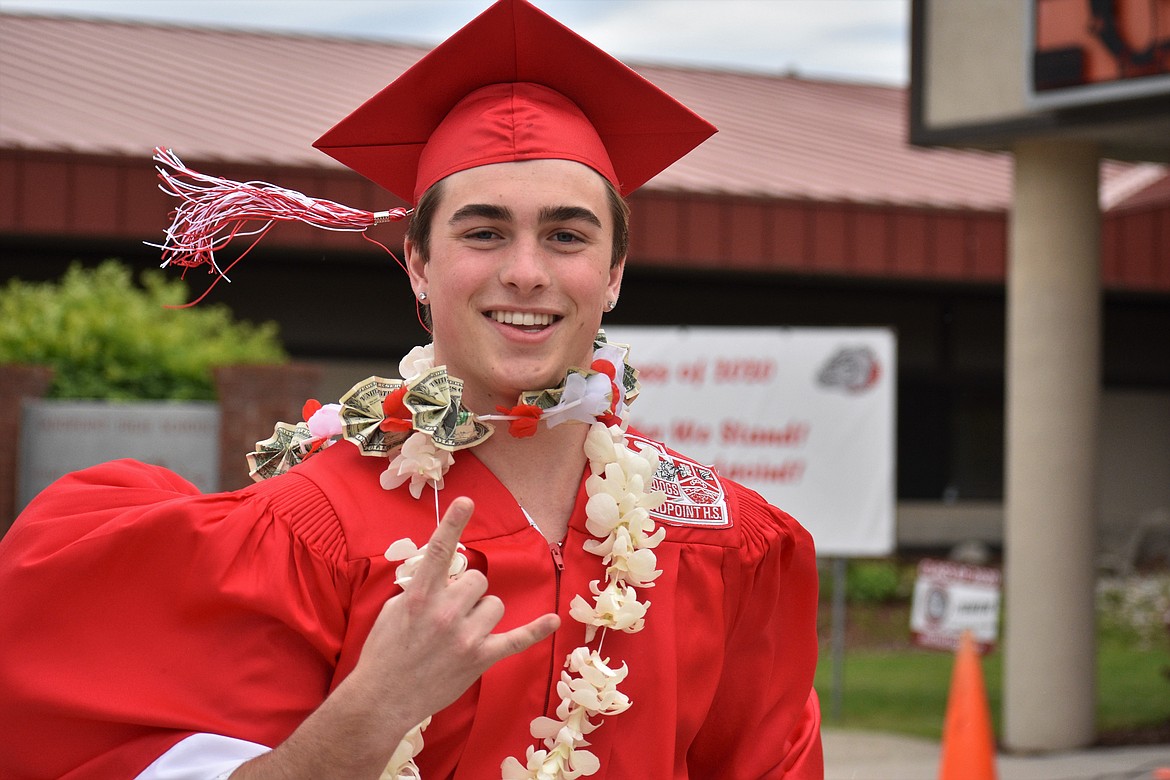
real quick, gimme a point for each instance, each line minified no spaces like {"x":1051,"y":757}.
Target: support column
{"x":1052,"y":396}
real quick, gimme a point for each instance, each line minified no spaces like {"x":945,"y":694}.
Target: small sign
{"x":950,"y":598}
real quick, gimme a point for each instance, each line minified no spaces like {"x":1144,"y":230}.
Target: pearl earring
{"x":422,"y":297}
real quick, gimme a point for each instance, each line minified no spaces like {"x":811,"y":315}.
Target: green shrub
{"x":873,"y":582}
{"x":106,"y":337}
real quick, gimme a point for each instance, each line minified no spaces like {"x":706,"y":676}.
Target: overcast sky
{"x":860,"y":40}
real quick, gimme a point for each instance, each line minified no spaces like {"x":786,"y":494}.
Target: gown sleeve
{"x":203,"y":757}
{"x":138,"y":612}
{"x":764,"y":720}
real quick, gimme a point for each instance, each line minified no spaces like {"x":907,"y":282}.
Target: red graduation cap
{"x":514,"y":84}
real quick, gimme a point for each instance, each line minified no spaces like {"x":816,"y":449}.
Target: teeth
{"x":523,"y":318}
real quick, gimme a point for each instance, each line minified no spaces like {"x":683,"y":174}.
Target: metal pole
{"x":838,"y":637}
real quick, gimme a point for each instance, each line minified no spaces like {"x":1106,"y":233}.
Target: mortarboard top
{"x":514,"y":84}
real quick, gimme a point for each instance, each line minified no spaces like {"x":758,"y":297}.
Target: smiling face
{"x":518,"y":275}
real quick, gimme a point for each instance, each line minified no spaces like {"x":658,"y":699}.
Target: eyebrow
{"x":569,"y":214}
{"x":481,"y":211}
{"x":498,"y":213}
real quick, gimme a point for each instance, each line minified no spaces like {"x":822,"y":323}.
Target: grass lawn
{"x":890,"y":685}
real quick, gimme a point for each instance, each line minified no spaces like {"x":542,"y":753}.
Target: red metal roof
{"x":805,"y":176}
{"x":122,"y":89}
{"x":113,"y":88}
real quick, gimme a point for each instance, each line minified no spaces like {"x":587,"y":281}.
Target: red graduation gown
{"x":136,"y":611}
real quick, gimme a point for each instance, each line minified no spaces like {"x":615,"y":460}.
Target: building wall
{"x":1134,"y":472}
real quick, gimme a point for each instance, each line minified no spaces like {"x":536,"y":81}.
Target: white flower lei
{"x":617,"y":514}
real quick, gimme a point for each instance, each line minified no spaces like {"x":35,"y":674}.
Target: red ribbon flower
{"x":311,"y":407}
{"x":395,"y":415}
{"x":610,"y":370}
{"x":529,"y":419}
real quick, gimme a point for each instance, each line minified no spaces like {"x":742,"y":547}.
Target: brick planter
{"x":18,"y":381}
{"x":252,"y":399}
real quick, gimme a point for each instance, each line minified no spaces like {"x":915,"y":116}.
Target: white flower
{"x":325,"y":422}
{"x":602,"y":513}
{"x":636,"y":524}
{"x":417,"y":362}
{"x":601,"y":445}
{"x":588,"y":689}
{"x":572,"y":729}
{"x":511,"y":769}
{"x":629,"y":565}
{"x":411,"y":556}
{"x":582,"y":399}
{"x":595,"y":688}
{"x":420,"y":461}
{"x":612,"y":505}
{"x":401,"y":765}
{"x":615,"y":606}
{"x":563,"y":763}
{"x":643,"y":463}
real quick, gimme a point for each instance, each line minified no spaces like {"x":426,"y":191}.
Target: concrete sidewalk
{"x":865,"y":755}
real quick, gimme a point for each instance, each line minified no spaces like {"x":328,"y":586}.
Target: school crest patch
{"x":694,"y":494}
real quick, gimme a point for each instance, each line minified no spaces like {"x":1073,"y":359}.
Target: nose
{"x":524,"y":268}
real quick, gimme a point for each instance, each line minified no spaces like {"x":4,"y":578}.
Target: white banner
{"x":804,"y":416}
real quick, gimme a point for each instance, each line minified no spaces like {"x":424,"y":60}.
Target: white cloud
{"x":844,"y":38}
{"x":811,"y":36}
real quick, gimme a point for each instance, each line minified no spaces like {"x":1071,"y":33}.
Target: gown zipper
{"x":558,"y":559}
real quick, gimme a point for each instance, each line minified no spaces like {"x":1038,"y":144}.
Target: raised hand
{"x":427,"y":646}
{"x":435,"y":637}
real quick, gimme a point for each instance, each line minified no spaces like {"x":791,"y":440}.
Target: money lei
{"x":617,"y":515}
{"x":431,"y":404}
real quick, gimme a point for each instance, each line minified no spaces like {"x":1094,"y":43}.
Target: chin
{"x":538,"y":377}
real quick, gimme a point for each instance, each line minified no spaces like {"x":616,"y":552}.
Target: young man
{"x":556,"y":622}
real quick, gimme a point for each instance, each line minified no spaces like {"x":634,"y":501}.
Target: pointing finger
{"x":432,"y":571}
{"x":500,"y":646}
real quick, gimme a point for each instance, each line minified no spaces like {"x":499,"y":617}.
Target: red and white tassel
{"x":215,"y":210}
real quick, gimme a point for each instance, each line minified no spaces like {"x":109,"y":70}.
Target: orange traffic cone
{"x":968,"y":746}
